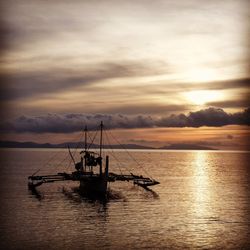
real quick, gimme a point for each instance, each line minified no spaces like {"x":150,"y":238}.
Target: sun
{"x":201,"y":97}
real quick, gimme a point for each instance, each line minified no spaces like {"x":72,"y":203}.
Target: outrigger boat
{"x":92,"y":183}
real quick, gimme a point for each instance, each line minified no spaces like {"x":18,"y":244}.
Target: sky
{"x":156,"y":72}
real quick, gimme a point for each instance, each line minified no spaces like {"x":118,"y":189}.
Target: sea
{"x":202,"y":202}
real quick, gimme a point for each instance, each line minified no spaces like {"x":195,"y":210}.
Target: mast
{"x":85,"y":140}
{"x":101,"y":149}
{"x":85,"y":147}
{"x":101,"y":139}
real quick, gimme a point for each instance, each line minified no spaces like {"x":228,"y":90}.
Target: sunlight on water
{"x":202,"y":192}
{"x":201,"y":203}
{"x":201,"y":183}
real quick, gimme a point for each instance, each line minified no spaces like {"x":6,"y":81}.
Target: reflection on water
{"x":201,"y":203}
{"x":203,"y":188}
{"x":201,"y":183}
{"x":36,"y":193}
{"x":201,"y":195}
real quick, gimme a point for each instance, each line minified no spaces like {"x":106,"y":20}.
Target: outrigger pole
{"x":112,"y":177}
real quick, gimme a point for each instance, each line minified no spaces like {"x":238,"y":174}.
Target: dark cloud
{"x":229,"y":84}
{"x":231,"y":103}
{"x":68,"y":123}
{"x":214,"y":117}
{"x":30,"y":84}
{"x":145,"y":108}
{"x":28,"y":22}
{"x":141,"y":141}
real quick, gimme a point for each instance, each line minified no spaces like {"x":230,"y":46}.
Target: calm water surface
{"x":202,"y":203}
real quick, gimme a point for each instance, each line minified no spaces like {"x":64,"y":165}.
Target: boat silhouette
{"x":91,"y":173}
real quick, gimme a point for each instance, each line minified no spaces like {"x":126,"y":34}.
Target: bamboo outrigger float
{"x":92,"y":184}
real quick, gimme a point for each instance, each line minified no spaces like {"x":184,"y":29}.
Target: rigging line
{"x":75,"y":150}
{"x":130,"y":155}
{"x":118,"y":163}
{"x":67,"y":156}
{"x":53,"y":156}
{"x":78,"y":144}
{"x":47,"y":162}
{"x":129,"y":170}
{"x":60,"y":163}
{"x":92,"y":140}
{"x":57,"y":165}
{"x":112,"y":152}
{"x":69,"y":164}
{"x":74,"y":153}
{"x":64,"y":160}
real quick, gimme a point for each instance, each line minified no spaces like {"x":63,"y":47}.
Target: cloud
{"x":59,"y":46}
{"x":144,"y":108}
{"x":68,"y":123}
{"x":212,"y":117}
{"x":53,"y":80}
{"x":231,"y":103}
{"x":141,"y":141}
{"x":229,"y":84}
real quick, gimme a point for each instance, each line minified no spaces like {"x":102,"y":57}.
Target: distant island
{"x":180,"y":146}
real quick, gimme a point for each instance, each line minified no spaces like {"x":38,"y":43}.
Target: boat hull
{"x":93,"y":187}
